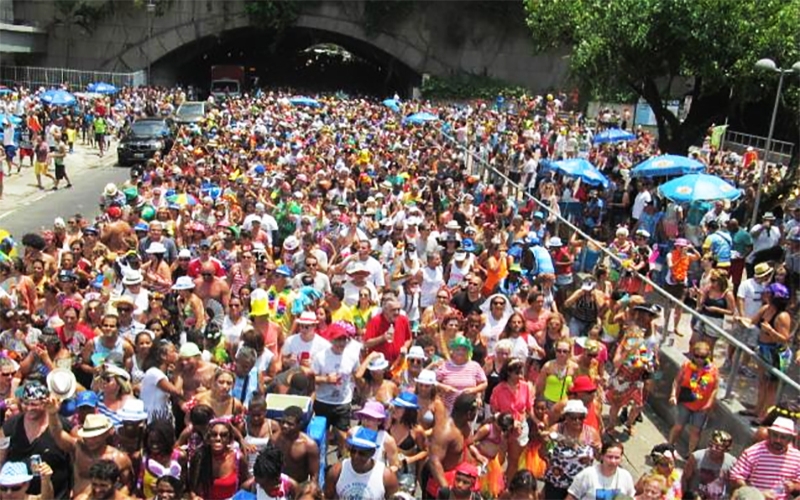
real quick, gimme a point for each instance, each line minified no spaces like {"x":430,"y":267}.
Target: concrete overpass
{"x":437,"y":38}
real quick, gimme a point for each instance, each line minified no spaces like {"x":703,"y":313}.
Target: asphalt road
{"x":24,"y":208}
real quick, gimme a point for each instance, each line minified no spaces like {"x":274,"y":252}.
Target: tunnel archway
{"x":308,"y":59}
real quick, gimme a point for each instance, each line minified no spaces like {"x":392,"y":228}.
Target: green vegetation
{"x":85,"y":14}
{"x":273,"y":15}
{"x":384,"y":14}
{"x":660,"y":49}
{"x":469,"y":87}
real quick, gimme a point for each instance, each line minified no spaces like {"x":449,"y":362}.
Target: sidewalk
{"x":20,"y":189}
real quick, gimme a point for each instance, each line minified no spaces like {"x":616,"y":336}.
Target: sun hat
{"x":185,"y":253}
{"x":156,"y":247}
{"x":416,"y":352}
{"x":426,"y":377}
{"x":133,"y":277}
{"x":364,"y":438}
{"x":768,"y":216}
{"x":555,"y":242}
{"x":14,"y":473}
{"x":588,"y":284}
{"x":461,"y":341}
{"x":189,"y":350}
{"x":515,"y":268}
{"x":358,"y":267}
{"x":405,"y":400}
{"x":291,"y":244}
{"x":783,"y":425}
{"x":94,"y":425}
{"x":132,"y":411}
{"x":61,"y":383}
{"x":460,"y":255}
{"x":468,"y":245}
{"x":110,"y":190}
{"x":183,"y":283}
{"x":643,"y":233}
{"x":575,"y":406}
{"x":307,"y":318}
{"x":116,"y":371}
{"x":582,"y":383}
{"x":452,"y":225}
{"x":87,"y":398}
{"x":378,"y":363}
{"x":762,"y":270}
{"x":142,"y":226}
{"x":372,"y":409}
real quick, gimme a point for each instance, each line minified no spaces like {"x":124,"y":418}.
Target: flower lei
{"x":282,"y":304}
{"x":699,"y":379}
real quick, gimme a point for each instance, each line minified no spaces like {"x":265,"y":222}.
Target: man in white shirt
{"x":766,"y":242}
{"x":604,"y":480}
{"x":642,"y":198}
{"x":748,"y":302}
{"x":305,"y":340}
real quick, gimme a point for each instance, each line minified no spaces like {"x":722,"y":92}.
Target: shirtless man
{"x":208,"y":286}
{"x":197,"y":375}
{"x":118,"y":235}
{"x":91,"y":445}
{"x":301,"y":452}
{"x":449,"y":445}
{"x":103,"y":476}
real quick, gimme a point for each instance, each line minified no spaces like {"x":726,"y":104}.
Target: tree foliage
{"x":667,"y":48}
{"x":273,"y":15}
{"x":85,"y":14}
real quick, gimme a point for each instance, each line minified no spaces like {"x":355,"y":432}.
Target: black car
{"x":143,"y":138}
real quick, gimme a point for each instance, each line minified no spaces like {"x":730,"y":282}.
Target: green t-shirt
{"x":99,"y":125}
{"x":742,"y":242}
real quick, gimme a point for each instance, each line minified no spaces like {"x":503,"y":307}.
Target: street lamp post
{"x":769,"y":65}
{"x":151,"y":10}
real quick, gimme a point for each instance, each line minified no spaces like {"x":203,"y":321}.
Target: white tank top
{"x":457,"y":273}
{"x":354,"y":486}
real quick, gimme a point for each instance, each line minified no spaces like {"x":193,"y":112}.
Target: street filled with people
{"x":338,"y":297}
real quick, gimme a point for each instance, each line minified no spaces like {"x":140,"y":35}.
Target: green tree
{"x":660,"y":48}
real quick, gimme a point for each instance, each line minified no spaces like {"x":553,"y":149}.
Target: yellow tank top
{"x":555,"y":389}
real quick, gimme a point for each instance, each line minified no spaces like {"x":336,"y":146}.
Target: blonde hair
{"x":656,"y":480}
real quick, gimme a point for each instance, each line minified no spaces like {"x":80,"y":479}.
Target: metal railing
{"x":781,"y":151}
{"x":489,"y":171}
{"x":76,"y":80}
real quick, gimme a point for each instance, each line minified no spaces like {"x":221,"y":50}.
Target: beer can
{"x":36,"y":461}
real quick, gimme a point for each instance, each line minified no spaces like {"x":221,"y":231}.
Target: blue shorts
{"x":11,"y":151}
{"x":696,"y":419}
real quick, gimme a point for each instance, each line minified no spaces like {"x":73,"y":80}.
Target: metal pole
{"x":761,"y":173}
{"x":151,"y":9}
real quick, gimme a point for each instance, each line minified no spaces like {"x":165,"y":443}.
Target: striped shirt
{"x":461,"y":377}
{"x":762,"y":469}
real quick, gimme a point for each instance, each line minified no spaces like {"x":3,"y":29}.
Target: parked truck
{"x":227,"y":80}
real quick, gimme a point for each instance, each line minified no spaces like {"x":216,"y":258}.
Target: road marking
{"x":24,"y":204}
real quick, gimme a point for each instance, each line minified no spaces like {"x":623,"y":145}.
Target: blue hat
{"x":91,"y":230}
{"x":260,"y":169}
{"x":284,"y":271}
{"x":532,"y":239}
{"x":142,"y":226}
{"x":67,"y":275}
{"x":87,"y":398}
{"x":406,"y":400}
{"x":205,"y":243}
{"x":468,"y":245}
{"x":538,"y":214}
{"x":364,"y":438}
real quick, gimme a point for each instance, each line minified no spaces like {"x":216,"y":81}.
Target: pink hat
{"x":372,"y":409}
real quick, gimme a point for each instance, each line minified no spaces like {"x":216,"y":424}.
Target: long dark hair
{"x":201,"y":471}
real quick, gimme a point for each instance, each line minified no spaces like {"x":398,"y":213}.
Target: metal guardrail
{"x":77,"y":80}
{"x":730,"y":382}
{"x":781,"y":151}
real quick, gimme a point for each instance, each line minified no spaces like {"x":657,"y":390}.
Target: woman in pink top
{"x":460,"y":375}
{"x":514,"y":395}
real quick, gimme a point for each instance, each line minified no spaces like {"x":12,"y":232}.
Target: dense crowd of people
{"x":458,"y":338}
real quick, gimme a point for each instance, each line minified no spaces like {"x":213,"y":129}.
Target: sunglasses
{"x":562,"y":351}
{"x":7,"y":374}
{"x":221,"y":435}
{"x":5,"y":489}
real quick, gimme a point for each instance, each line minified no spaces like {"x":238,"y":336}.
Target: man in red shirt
{"x":388,"y":332}
{"x":205,"y":256}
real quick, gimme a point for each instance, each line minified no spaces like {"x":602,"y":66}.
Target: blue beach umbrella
{"x":305,"y":101}
{"x":58,"y":97}
{"x":15,"y":120}
{"x":420,"y":118}
{"x":668,"y":165}
{"x":613,"y":135}
{"x":102,"y":88}
{"x":698,"y":187}
{"x":582,"y":169}
{"x":392,"y":104}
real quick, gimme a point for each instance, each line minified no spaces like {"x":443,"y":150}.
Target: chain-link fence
{"x":77,"y":80}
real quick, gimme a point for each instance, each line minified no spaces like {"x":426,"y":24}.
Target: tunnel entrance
{"x":304,"y":59}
